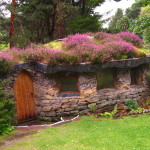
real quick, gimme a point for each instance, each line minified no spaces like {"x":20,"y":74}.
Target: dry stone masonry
{"x":50,"y":106}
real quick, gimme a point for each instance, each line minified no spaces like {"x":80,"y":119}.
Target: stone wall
{"x":50,"y":106}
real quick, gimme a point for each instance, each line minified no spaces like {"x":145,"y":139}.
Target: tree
{"x":133,"y":12}
{"x":12,"y":28}
{"x":142,"y":3}
{"x":85,"y":24}
{"x":123,"y":23}
{"x":118,"y":15}
{"x":142,"y":23}
{"x":40,"y":21}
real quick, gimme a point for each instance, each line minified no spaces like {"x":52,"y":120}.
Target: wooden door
{"x":24,"y":93}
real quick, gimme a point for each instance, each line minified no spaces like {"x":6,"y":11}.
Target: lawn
{"x":130,"y":133}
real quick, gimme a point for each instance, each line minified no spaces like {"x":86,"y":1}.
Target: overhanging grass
{"x":122,"y":134}
{"x":147,"y":50}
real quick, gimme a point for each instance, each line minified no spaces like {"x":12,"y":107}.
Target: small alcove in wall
{"x":68,"y":84}
{"x":105,"y":79}
{"x":133,"y":75}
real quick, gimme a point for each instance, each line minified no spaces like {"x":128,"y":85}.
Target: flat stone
{"x":42,"y":114}
{"x":46,"y":108}
{"x":45,"y":101}
{"x":48,"y":97}
{"x":50,"y":114}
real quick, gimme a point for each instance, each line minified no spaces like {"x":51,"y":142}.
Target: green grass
{"x":122,"y":134}
{"x":147,"y":50}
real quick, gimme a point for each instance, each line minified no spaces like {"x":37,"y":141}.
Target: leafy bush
{"x":7,"y":111}
{"x":131,"y":104}
{"x":82,"y":24}
{"x":110,"y":114}
{"x":132,"y":38}
{"x":3,"y":46}
{"x":6,"y":63}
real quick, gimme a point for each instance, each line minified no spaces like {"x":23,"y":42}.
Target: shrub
{"x":6,"y":63}
{"x":121,"y":49}
{"x":101,"y":35}
{"x":58,"y":57}
{"x":7,"y":111}
{"x":74,"y":41}
{"x":111,"y":38}
{"x":141,"y":53}
{"x":131,"y":38}
{"x":131,"y":104}
{"x":101,"y":54}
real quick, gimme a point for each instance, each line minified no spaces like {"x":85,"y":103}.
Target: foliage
{"x":131,"y":104}
{"x":123,"y":23}
{"x":92,"y":107}
{"x":133,"y":12}
{"x":6,"y":63}
{"x":7,"y":111}
{"x":110,"y":114}
{"x":72,"y":41}
{"x":121,"y":49}
{"x":142,"y":2}
{"x":82,"y":24}
{"x":78,"y":48}
{"x":141,"y":52}
{"x":132,"y":38}
{"x":101,"y":35}
{"x":55,"y":45}
{"x":142,"y":23}
{"x":118,"y":15}
{"x":140,"y":109}
{"x":3,"y":46}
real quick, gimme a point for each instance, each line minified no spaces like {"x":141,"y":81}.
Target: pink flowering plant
{"x":6,"y":63}
{"x":72,"y":42}
{"x":79,"y":48}
{"x":121,"y":49}
{"x":131,"y":38}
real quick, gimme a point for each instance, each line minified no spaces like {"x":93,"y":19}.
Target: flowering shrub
{"x":74,"y":41}
{"x":121,"y":49}
{"x":111,"y":38}
{"x":132,"y":38}
{"x":58,"y":57}
{"x":101,"y":54}
{"x":78,"y":48}
{"x":6,"y":63}
{"x":101,"y":35}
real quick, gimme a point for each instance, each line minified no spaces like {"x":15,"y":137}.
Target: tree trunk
{"x":60,"y":20}
{"x":83,"y":8}
{"x":12,"y":28}
{"x":52,"y":21}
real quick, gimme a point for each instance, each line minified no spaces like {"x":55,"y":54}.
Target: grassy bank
{"x":131,"y":133}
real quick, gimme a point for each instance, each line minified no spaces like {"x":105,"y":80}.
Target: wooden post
{"x":12,"y":28}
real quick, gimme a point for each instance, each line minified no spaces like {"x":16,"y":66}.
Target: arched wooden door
{"x":24,"y":92}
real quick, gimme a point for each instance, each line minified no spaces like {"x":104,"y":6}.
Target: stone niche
{"x":52,"y":103}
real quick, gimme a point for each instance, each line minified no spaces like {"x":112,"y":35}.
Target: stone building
{"x":49,"y":93}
